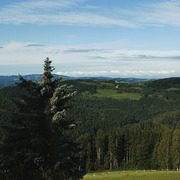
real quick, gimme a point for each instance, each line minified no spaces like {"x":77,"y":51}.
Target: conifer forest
{"x":56,"y":128}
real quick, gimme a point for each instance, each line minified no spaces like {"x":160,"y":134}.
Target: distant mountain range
{"x":12,"y":80}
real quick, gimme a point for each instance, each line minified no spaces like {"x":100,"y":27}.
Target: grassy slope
{"x":111,"y":93}
{"x":134,"y":175}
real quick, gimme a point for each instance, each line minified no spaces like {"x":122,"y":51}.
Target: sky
{"x":114,"y":38}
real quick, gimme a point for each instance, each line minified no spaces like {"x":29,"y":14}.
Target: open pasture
{"x":134,"y":175}
{"x":111,"y":93}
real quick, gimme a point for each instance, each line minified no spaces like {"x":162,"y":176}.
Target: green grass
{"x":134,"y":175}
{"x":111,"y":93}
{"x":173,"y":89}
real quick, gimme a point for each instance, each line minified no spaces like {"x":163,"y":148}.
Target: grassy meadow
{"x":134,"y":175}
{"x":111,"y":93}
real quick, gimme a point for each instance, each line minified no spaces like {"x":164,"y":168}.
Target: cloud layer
{"x":119,"y":73}
{"x":166,"y":12}
{"x":92,"y":54}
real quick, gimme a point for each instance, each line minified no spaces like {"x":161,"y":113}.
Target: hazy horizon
{"x":38,"y":69}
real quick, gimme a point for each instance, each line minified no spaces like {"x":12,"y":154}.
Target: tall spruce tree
{"x":176,"y":149}
{"x":38,"y":142}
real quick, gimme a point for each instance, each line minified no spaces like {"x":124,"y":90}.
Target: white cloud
{"x":62,"y":18}
{"x":56,"y":12}
{"x":77,"y":12}
{"x":87,"y":53}
{"x":21,"y":53}
{"x":161,"y":13}
{"x":91,"y":61}
{"x":121,"y":73}
{"x":13,"y":46}
{"x":39,"y":5}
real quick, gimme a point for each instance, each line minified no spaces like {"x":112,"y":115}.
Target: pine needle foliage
{"x":38,"y":142}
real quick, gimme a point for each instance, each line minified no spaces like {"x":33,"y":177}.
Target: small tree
{"x":38,"y":143}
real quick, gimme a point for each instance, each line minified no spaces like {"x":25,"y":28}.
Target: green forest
{"x":87,"y":125}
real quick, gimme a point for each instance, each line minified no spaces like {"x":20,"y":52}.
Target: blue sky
{"x":116,"y":38}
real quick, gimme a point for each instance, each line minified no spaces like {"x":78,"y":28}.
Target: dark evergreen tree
{"x":38,"y":142}
{"x":100,"y":149}
{"x":176,"y":149}
{"x":164,"y":150}
{"x":87,"y":151}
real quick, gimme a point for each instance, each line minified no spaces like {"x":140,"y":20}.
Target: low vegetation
{"x":134,"y":175}
{"x":111,"y":93}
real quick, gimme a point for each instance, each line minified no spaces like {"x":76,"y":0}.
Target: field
{"x":111,"y":93}
{"x":134,"y":175}
{"x":173,"y":89}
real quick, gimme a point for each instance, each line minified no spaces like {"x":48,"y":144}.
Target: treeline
{"x":120,"y":134}
{"x":130,"y":134}
{"x":94,"y":113}
{"x":138,"y":146}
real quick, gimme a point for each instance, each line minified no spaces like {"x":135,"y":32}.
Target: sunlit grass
{"x":134,"y":175}
{"x":173,"y":89}
{"x":111,"y":93}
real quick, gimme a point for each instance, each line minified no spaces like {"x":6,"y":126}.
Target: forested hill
{"x":13,"y":79}
{"x":121,"y":123}
{"x":165,"y":83}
